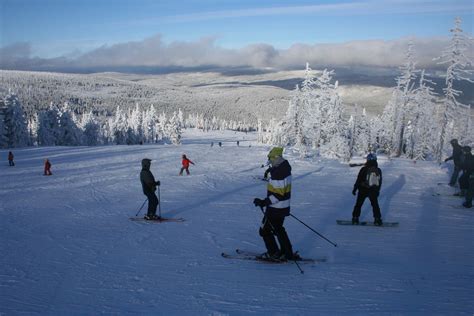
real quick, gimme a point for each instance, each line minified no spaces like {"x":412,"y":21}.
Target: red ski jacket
{"x":186,"y":162}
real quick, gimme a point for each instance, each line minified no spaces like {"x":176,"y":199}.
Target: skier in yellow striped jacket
{"x":277,"y":205}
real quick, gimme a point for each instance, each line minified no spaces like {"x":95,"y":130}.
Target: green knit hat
{"x":275,"y":152}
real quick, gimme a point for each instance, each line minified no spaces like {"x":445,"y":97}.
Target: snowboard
{"x":253,"y":256}
{"x":365,"y":223}
{"x":160,"y":220}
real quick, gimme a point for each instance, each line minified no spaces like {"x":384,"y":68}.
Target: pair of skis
{"x":254,"y":256}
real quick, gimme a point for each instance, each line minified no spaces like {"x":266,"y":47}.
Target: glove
{"x":157,"y":183}
{"x":354,"y":191}
{"x":261,"y":203}
{"x":446,"y":160}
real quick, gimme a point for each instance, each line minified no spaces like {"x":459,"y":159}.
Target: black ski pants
{"x":152,"y":203}
{"x":373,"y":197}
{"x":272,"y":225}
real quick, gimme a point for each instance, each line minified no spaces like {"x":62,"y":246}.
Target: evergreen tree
{"x":15,"y":128}
{"x":48,"y":126}
{"x":69,"y":133}
{"x":455,"y":114}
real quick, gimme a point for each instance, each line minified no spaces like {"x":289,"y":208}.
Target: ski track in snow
{"x":68,"y":246}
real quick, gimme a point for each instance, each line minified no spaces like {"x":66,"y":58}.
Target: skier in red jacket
{"x":185,"y":166}
{"x":47,"y":167}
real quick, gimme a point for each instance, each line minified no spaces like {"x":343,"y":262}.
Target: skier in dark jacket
{"x":149,"y":187}
{"x":469,"y":174}
{"x":464,"y":166}
{"x":277,"y":205}
{"x":368,"y":183}
{"x":10,"y":159}
{"x":457,"y":158}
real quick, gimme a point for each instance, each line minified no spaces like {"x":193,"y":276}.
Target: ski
{"x":160,"y":220}
{"x":447,"y":195}
{"x":253,"y":256}
{"x":364,"y":223}
{"x":356,"y":164}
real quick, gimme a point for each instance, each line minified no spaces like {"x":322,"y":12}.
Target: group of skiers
{"x":463,"y":161}
{"x":47,"y":164}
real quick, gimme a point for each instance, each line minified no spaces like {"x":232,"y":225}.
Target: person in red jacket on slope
{"x":47,"y":167}
{"x":185,"y":162}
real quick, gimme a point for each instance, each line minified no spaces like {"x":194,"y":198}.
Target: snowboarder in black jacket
{"x":457,"y":158}
{"x":368,"y":183}
{"x":149,"y":187}
{"x":468,"y":172}
{"x":277,"y":205}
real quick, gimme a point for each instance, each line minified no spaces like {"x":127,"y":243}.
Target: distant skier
{"x":185,"y":162}
{"x":149,"y":187}
{"x":368,"y":183}
{"x":457,"y":157}
{"x":220,"y":144}
{"x":10,"y":159}
{"x":277,"y":205}
{"x":47,"y":167}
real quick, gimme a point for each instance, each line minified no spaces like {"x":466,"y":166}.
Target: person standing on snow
{"x":149,"y":187}
{"x":185,"y":162}
{"x":10,"y":159}
{"x":47,"y":167}
{"x":464,"y":178}
{"x":277,"y":205}
{"x":368,"y":183}
{"x":469,"y":174}
{"x":457,"y":158}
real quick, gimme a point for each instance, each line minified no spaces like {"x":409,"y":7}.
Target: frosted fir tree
{"x":91,"y":131}
{"x":333,"y":129}
{"x":424,"y":130}
{"x":401,"y":100}
{"x":162,"y":127}
{"x":119,"y":127}
{"x":459,"y":67}
{"x":174,"y":129}
{"x":15,"y":128}
{"x":309,"y":109}
{"x":150,"y":119}
{"x":359,"y":133}
{"x":33,"y":129}
{"x":69,"y":133}
{"x":135,"y":123}
{"x":48,"y":126}
{"x":291,"y":127}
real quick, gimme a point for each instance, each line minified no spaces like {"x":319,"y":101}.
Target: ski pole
{"x":334,"y":244}
{"x":139,"y":210}
{"x":273,"y":229}
{"x":159,"y":202}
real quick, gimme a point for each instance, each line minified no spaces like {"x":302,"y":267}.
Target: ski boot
{"x":378,"y":221}
{"x":355,"y":220}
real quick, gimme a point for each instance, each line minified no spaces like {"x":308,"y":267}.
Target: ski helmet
{"x":371,"y":156}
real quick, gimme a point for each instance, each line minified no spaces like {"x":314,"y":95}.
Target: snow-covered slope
{"x":68,"y":246}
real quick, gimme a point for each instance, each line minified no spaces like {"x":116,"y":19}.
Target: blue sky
{"x":53,"y":28}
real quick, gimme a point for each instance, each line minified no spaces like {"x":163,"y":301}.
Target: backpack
{"x":372,"y":178}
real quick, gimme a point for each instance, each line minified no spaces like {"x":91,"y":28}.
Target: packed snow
{"x":68,"y":246}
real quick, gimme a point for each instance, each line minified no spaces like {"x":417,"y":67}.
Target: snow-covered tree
{"x":173,"y":129}
{"x":69,"y":133}
{"x":90,"y":130}
{"x":459,"y":67}
{"x":396,"y":112}
{"x":15,"y":128}
{"x":119,"y":127}
{"x":48,"y":126}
